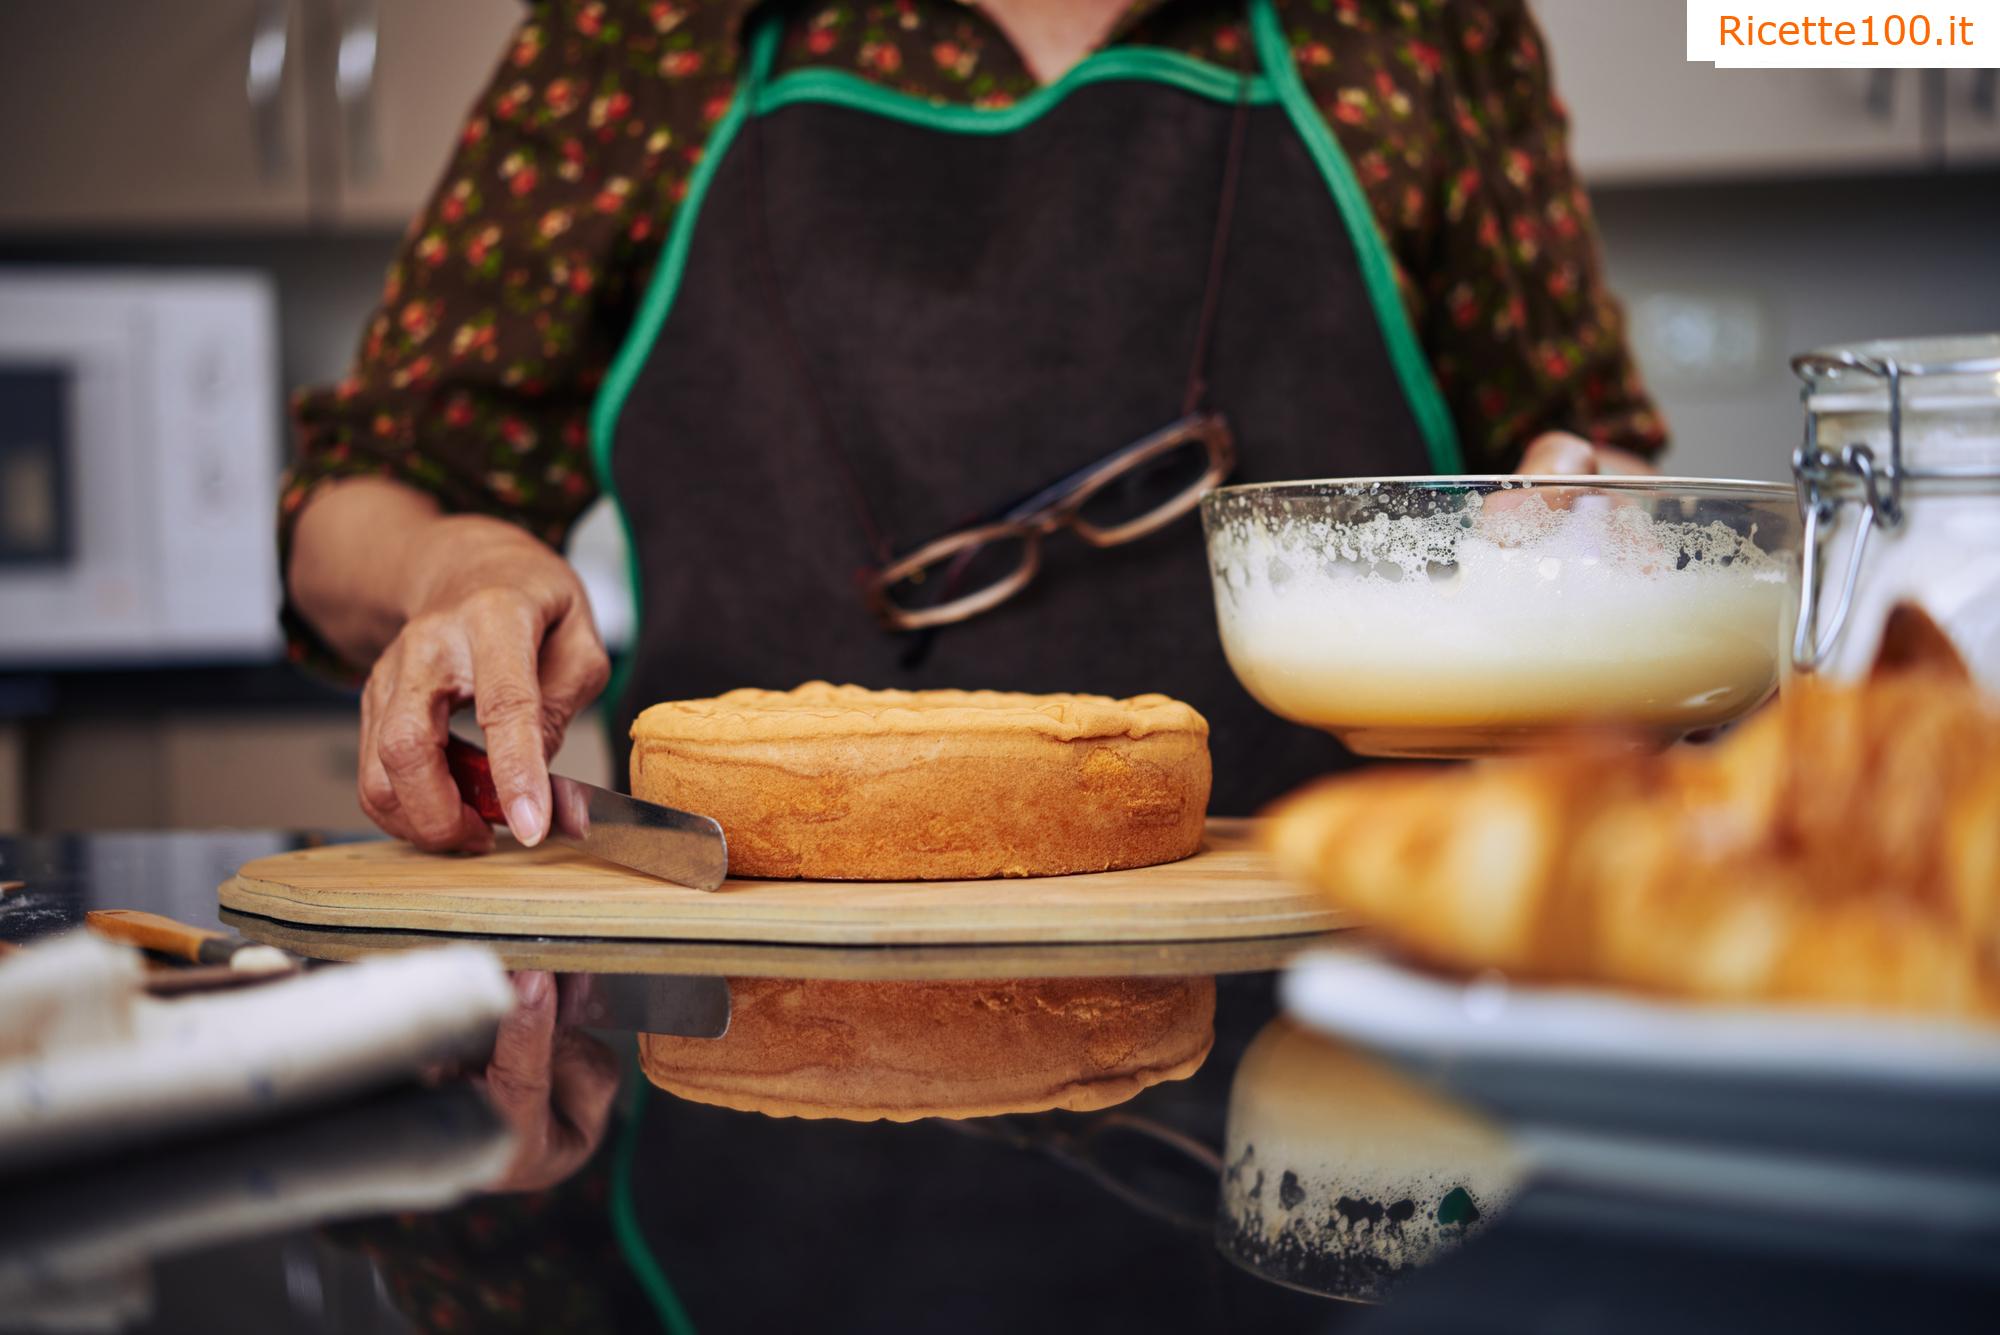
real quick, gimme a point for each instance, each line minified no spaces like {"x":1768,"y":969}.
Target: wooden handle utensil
{"x":198,"y":945}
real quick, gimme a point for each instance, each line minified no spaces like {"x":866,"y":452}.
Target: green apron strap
{"x":1378,"y":268}
{"x":763,"y":54}
{"x":652,"y":313}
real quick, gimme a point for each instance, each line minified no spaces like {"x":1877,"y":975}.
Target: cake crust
{"x":842,"y":783}
{"x":820,"y":709}
{"x":871,"y":1051}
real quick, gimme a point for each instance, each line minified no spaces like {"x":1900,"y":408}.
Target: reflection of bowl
{"x":1339,"y":1175}
{"x":1459,"y":616}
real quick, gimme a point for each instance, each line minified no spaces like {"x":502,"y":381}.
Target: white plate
{"x":1843,"y":1130}
{"x":1372,"y":1001}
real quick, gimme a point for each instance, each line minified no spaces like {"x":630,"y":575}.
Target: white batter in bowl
{"x":1464,"y":616}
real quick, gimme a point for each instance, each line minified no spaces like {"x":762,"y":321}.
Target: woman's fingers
{"x":1558,"y":452}
{"x":574,"y":669}
{"x":585,"y":1087}
{"x":497,"y":620}
{"x":528,"y":688}
{"x":506,"y":639}
{"x":410,"y":732}
{"x":517,"y":1079}
{"x":1624,"y":463}
{"x":372,"y":786}
{"x":1551,"y":454}
{"x":517,"y":1076}
{"x":586,"y":1073}
{"x":377,"y":793}
{"x":551,"y":1084}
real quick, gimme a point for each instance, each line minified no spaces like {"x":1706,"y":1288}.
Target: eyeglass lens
{"x":960,"y":574}
{"x":1154,"y":485}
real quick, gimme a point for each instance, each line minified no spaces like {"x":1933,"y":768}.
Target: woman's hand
{"x":449,"y":610}
{"x":552,"y":1084}
{"x":1559,"y":452}
{"x":496,"y":618}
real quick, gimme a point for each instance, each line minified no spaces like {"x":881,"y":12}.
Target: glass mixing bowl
{"x":1468,"y":616}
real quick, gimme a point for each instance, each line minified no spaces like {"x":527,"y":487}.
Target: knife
{"x":687,"y":1005}
{"x":671,"y":845}
{"x":196,"y":945}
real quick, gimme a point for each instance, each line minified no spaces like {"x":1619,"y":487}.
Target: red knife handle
{"x":473,"y":774}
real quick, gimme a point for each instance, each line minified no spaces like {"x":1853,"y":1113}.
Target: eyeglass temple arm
{"x":1055,"y":491}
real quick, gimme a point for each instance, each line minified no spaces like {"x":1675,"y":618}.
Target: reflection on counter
{"x":901,"y":1051}
{"x":1339,"y":1176}
{"x":75,"y":1247}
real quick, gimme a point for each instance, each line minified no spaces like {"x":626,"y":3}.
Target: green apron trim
{"x":1378,"y":269}
{"x":1279,"y":82}
{"x":652,"y":315}
{"x":1153,"y":64}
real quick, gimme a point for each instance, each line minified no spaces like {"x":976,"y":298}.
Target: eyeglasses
{"x":1139,"y":490}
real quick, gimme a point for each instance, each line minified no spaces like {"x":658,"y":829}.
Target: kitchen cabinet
{"x":1641,"y":112}
{"x":208,"y":770}
{"x":400,"y":76}
{"x":130,"y":115}
{"x":1971,"y":116}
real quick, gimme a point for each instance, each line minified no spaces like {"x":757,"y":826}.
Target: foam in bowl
{"x":1506,"y":616}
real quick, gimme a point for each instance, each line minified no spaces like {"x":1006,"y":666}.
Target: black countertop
{"x":115,"y":691}
{"x":754,"y":1223}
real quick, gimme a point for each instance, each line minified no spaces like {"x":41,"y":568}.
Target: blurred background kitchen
{"x":198,"y":200}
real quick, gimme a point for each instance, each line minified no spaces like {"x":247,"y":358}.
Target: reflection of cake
{"x":900,"y":1051}
{"x":840,"y":783}
{"x":1340,"y":1175}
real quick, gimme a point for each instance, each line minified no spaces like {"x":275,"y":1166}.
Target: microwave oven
{"x":139,"y":458}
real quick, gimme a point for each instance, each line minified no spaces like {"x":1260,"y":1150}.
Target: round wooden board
{"x":750,"y":959}
{"x":1227,"y":891}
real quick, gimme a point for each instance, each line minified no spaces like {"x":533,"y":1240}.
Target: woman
{"x":827,"y":284}
{"x":823,"y":285}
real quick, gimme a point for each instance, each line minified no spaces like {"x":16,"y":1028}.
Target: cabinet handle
{"x":1881,"y":94}
{"x":264,"y":81}
{"x":354,"y":87}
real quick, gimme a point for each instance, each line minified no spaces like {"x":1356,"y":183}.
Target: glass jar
{"x":1899,"y":482}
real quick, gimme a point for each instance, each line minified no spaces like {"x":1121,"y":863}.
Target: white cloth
{"x":124,"y":1067}
{"x":71,"y":1239}
{"x":75,"y":991}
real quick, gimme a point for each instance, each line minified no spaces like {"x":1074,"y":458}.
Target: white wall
{"x":1724,"y":283}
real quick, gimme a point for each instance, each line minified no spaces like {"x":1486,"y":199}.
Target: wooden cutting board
{"x":1227,"y":891}
{"x":761,"y":959}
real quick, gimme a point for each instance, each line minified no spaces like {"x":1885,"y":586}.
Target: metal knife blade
{"x":676,"y":846}
{"x":648,"y":1003}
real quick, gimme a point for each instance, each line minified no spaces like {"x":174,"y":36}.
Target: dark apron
{"x":987,"y":300}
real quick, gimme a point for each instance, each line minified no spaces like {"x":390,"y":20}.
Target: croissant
{"x":1842,"y":848}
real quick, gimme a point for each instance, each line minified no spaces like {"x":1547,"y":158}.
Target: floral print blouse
{"x":515,"y":285}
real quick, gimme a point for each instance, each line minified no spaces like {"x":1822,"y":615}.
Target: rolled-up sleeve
{"x":512,"y":289}
{"x":1525,"y":332}
{"x":1448,"y":113}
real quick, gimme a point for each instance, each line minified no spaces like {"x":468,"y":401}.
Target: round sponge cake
{"x":841,"y":783}
{"x":898,"y":1051}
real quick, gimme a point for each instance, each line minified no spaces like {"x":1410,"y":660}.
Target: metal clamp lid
{"x":1819,"y":471}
